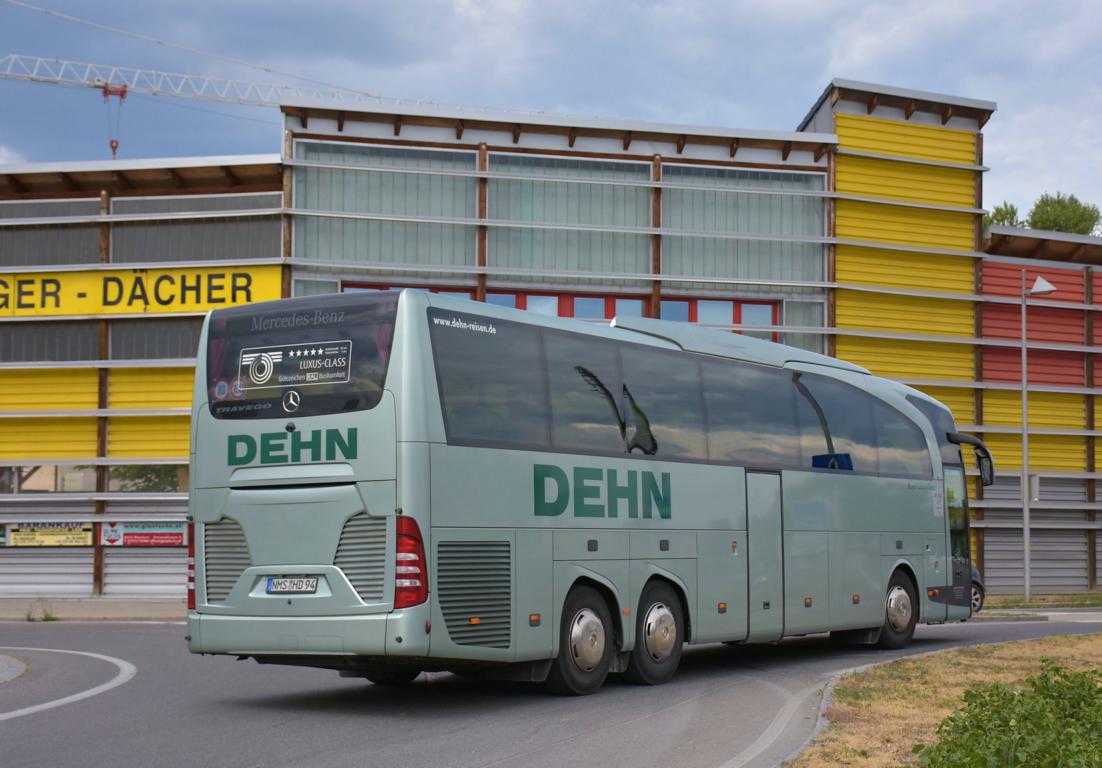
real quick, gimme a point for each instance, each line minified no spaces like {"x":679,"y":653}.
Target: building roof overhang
{"x":1020,"y":242}
{"x":907,"y":99}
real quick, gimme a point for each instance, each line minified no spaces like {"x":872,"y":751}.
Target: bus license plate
{"x":297,"y":585}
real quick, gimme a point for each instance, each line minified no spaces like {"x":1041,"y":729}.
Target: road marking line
{"x":126,"y":672}
{"x":773,"y":731}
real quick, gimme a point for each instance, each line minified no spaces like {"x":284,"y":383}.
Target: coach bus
{"x":390,"y":483}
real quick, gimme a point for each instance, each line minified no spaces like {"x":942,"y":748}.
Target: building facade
{"x":859,"y":234}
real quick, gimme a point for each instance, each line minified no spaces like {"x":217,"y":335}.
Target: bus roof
{"x":691,"y":338}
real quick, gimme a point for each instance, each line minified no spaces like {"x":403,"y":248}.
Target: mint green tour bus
{"x":385,"y":484}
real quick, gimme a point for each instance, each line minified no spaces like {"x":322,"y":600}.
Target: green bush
{"x":1056,"y":722}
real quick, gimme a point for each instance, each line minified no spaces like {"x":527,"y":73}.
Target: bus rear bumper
{"x":281,"y":635}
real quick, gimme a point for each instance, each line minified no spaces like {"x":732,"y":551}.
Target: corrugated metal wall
{"x":893,"y":137}
{"x":48,"y":390}
{"x":140,"y":436}
{"x":150,"y":387}
{"x":72,"y":244}
{"x":45,"y":571}
{"x":144,"y":572}
{"x":47,"y":438}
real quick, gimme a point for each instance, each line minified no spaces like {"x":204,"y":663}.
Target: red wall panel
{"x":1060,"y":326}
{"x":1066,"y":369}
{"x":1001,"y":279}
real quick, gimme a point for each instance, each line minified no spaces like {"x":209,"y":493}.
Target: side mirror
{"x":984,"y":461}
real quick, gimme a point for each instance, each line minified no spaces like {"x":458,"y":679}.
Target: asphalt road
{"x":744,"y":706}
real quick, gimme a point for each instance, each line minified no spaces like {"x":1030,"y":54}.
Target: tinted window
{"x":332,"y":351}
{"x":662,"y":394}
{"x":751,"y":414}
{"x":942,"y":421}
{"x":848,"y":416}
{"x":585,"y":387}
{"x":901,"y":444}
{"x":491,"y":379}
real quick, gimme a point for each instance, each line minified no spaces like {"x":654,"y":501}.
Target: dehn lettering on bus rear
{"x":291,"y":447}
{"x":596,"y":492}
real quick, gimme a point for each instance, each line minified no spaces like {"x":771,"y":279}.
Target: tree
{"x":1063,"y":213}
{"x":1004,"y":214}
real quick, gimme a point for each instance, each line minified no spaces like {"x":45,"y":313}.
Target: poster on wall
{"x":50,"y":535}
{"x":143,"y":534}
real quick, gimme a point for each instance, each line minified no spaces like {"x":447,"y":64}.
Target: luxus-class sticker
{"x":295,"y":365}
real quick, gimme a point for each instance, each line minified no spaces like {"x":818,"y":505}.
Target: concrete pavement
{"x":92,"y":609}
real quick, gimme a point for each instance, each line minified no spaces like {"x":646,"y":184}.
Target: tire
{"x":977,"y":597}
{"x":586,"y":644}
{"x":397,"y":676}
{"x":659,"y":636}
{"x":900,"y":612}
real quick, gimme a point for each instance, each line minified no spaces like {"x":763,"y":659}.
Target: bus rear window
{"x":305,"y":357}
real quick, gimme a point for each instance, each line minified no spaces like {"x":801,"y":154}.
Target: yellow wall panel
{"x":905,"y":181}
{"x":147,"y":436}
{"x":1054,"y":452}
{"x":49,"y":390}
{"x":150,"y":387}
{"x":1046,"y":409}
{"x":908,"y":359}
{"x":903,"y":314}
{"x":893,"y":137}
{"x":934,"y":272}
{"x":959,"y":400}
{"x":908,"y":226}
{"x":53,"y":438}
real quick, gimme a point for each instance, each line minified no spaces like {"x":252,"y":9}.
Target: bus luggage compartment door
{"x":765,"y":555}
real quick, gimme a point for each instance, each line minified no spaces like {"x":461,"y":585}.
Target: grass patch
{"x":1076,"y":600}
{"x":878,"y":716}
{"x":40,"y":611}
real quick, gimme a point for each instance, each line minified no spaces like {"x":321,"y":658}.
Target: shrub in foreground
{"x":1055,"y":721}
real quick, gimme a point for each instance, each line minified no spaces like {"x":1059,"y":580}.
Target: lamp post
{"x":1041,"y":287}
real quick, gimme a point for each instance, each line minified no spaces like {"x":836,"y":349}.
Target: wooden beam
{"x":870,"y":105}
{"x":68,"y":182}
{"x":627,"y":140}
{"x":230,"y":176}
{"x":909,"y":109}
{"x":821,"y":150}
{"x":459,"y":129}
{"x":734,"y":147}
{"x":121,"y":181}
{"x":1039,"y":250}
{"x":1079,"y":255}
{"x":835,"y":95}
{"x":516,"y":133}
{"x":340,"y":121}
{"x":946,"y":113}
{"x":996,"y":242}
{"x":397,"y":124}
{"x":175,"y":176}
{"x":786,"y":150}
{"x":16,"y":185}
{"x":682,"y":140}
{"x":303,"y":119}
{"x":571,"y":137}
{"x":983,"y":118}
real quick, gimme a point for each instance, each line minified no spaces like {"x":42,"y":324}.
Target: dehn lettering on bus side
{"x":599,"y":492}
{"x":291,"y":448}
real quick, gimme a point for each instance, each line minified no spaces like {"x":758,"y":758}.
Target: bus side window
{"x":848,"y":429}
{"x":665,"y":387}
{"x":901,"y":446}
{"x":751,"y":414}
{"x":584,"y":379}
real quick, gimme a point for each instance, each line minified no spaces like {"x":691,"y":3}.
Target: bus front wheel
{"x":659,"y":633}
{"x":900,"y":612}
{"x":586,"y":642}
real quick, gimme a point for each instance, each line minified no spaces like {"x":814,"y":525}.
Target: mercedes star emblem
{"x":291,"y":401}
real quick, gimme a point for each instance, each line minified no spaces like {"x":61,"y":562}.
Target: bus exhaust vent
{"x":225,"y":557}
{"x":474,"y":588}
{"x":361,"y":555}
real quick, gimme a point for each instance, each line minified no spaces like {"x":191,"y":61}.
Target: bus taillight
{"x":191,"y":566}
{"x":411,"y":586}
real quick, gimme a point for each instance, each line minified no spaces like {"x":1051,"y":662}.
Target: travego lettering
{"x":291,"y":447}
{"x":600,"y":492}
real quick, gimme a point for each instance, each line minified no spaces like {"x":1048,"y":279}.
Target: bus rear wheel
{"x":586,"y":642}
{"x":900,"y":612}
{"x":659,"y":633}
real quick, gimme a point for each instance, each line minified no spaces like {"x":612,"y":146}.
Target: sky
{"x":734,"y":63}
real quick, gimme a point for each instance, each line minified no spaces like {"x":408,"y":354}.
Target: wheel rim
{"x":587,"y":640}
{"x":977,"y":599}
{"x":899,"y":608}
{"x":659,"y":632}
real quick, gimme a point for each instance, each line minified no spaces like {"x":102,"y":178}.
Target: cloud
{"x":9,"y":156}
